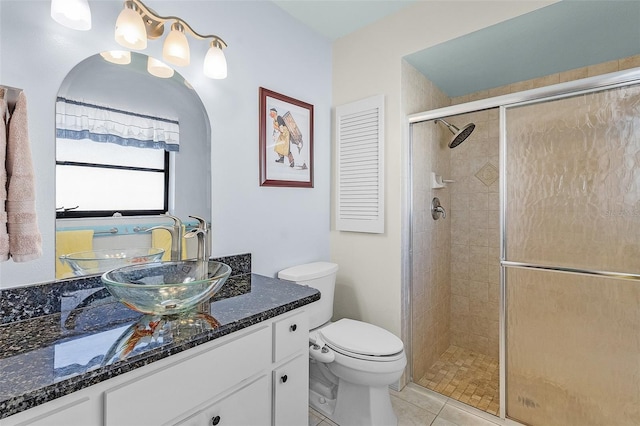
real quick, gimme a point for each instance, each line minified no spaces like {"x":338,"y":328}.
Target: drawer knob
{"x":293,"y":327}
{"x":215,"y":420}
{"x":284,"y":379}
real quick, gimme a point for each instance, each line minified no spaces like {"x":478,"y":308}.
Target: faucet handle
{"x":176,"y":219}
{"x":202,"y":223}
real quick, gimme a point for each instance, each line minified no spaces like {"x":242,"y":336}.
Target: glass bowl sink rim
{"x":225,"y":271}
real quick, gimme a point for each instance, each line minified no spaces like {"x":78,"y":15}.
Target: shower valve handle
{"x":437,"y":210}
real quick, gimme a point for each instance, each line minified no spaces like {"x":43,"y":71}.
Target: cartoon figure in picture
{"x":286,"y":132}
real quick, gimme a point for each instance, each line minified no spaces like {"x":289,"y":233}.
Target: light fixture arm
{"x":155,"y":23}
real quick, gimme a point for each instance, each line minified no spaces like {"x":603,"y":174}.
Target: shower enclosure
{"x":532,"y":279}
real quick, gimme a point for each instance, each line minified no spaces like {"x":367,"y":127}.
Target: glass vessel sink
{"x":166,"y":288}
{"x":99,"y":261}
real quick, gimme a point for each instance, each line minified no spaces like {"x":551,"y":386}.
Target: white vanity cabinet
{"x":255,"y":376}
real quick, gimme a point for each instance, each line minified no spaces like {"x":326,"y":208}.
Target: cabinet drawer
{"x":290,"y":335}
{"x":180,"y":387}
{"x":247,"y":406}
{"x":291,"y":392}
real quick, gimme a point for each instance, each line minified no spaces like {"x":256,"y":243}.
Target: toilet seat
{"x":361,"y":340}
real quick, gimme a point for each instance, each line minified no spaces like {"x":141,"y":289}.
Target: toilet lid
{"x":361,"y":338}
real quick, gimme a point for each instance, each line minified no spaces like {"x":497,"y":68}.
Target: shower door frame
{"x":548,"y":93}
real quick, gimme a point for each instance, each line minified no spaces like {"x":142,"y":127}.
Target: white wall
{"x":279,"y":226}
{"x":367,"y":63}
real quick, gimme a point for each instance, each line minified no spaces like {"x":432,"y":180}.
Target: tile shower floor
{"x":466,"y":376}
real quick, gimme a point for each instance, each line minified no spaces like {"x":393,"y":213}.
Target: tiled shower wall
{"x":431,"y":294}
{"x":475,"y":238}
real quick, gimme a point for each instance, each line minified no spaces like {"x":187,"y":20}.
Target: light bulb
{"x":74,"y":14}
{"x":176,"y":46}
{"x":130,"y":30}
{"x":215,"y":64}
{"x":159,"y":68}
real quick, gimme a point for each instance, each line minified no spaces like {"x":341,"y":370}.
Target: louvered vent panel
{"x":360,"y":148}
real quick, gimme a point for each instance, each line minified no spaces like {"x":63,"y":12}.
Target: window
{"x":109,"y":161}
{"x":102,"y":179}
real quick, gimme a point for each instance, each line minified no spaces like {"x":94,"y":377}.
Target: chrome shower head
{"x":459,"y":135}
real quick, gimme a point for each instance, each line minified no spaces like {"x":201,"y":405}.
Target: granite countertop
{"x":93,"y":337}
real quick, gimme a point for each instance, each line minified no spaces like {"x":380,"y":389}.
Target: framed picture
{"x":286,"y":141}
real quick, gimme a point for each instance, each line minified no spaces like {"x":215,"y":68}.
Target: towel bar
{"x":11,"y":96}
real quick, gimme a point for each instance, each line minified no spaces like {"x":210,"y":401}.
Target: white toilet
{"x":351,"y":363}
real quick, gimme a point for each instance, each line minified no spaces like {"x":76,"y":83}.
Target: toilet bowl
{"x":351,"y":363}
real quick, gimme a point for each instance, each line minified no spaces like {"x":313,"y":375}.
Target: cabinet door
{"x":247,"y":406}
{"x":291,"y":392}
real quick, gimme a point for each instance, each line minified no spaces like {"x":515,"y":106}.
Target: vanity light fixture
{"x":215,"y":65}
{"x":130,"y":28}
{"x":176,"y":46}
{"x":137,"y":23}
{"x":74,"y":14}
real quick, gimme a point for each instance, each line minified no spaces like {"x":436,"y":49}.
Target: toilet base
{"x":356,"y":405}
{"x":321,"y":404}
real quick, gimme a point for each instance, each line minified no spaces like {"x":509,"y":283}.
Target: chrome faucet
{"x":176,"y":236}
{"x":204,"y":238}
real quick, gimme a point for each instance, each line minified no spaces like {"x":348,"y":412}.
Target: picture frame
{"x":286,"y":140}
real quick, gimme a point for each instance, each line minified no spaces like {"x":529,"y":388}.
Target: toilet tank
{"x":321,"y":276}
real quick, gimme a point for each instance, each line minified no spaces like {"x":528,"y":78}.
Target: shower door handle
{"x":437,"y":210}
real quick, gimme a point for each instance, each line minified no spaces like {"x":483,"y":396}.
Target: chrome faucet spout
{"x":201,"y":235}
{"x":204,"y":238}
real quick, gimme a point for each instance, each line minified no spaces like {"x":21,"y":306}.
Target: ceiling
{"x":565,"y":35}
{"x":337,"y":18}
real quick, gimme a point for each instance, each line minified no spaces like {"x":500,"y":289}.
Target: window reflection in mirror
{"x":130,"y":146}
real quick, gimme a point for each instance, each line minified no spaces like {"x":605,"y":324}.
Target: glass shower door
{"x":571,"y":259}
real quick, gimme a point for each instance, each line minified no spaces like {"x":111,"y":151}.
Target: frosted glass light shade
{"x":130,"y":30}
{"x":176,"y":47}
{"x":158,"y":68}
{"x":120,"y":57}
{"x":74,"y":14}
{"x":215,"y":64}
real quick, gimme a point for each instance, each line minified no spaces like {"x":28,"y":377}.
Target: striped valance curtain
{"x":82,"y":120}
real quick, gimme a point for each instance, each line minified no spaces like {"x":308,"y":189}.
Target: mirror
{"x":129,"y":87}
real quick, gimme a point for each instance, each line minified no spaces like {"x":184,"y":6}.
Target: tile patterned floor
{"x":466,"y":376}
{"x":417,"y":406}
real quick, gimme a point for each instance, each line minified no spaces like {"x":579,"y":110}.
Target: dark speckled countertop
{"x":92,"y":337}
